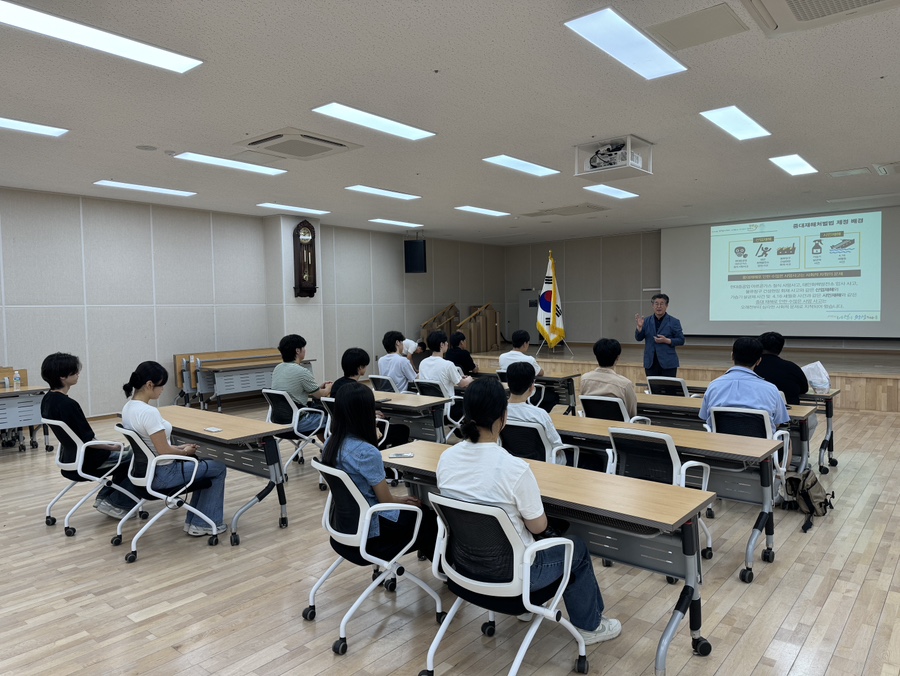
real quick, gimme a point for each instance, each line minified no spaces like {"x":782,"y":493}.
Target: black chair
{"x":609,"y":408}
{"x":671,"y":387}
{"x":529,"y":440}
{"x":382,"y":384}
{"x":346,"y":518}
{"x":484,"y":562}
{"x":453,"y":413}
{"x":751,"y":422}
{"x":283,"y":410}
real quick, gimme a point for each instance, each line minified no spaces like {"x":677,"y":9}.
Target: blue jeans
{"x":583,"y":598}
{"x":210,"y":500}
{"x":308,"y":422}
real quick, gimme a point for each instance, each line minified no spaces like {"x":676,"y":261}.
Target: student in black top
{"x":459,"y":354}
{"x":353,"y":363}
{"x":61,"y":372}
{"x":783,"y":374}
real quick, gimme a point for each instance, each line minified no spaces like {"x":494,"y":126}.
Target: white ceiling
{"x":504,"y":76}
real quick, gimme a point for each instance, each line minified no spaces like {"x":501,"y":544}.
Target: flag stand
{"x":544,"y":342}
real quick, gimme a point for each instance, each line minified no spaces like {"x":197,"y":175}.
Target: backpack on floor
{"x":803,"y":491}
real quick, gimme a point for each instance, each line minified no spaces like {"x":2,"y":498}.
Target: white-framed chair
{"x":346,"y":519}
{"x":609,"y":408}
{"x":283,"y":410}
{"x":142,"y":471}
{"x":70,"y":457}
{"x":652,"y":456}
{"x":671,"y":387}
{"x":484,"y":562}
{"x":752,"y":422}
{"x":529,"y":440}
{"x":431,"y":388}
{"x":382,"y":384}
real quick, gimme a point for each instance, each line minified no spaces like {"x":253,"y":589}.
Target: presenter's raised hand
{"x":639,"y":320}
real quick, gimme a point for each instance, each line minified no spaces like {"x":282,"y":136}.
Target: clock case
{"x":304,"y":260}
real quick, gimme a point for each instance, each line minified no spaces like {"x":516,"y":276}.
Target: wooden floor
{"x":828,"y":604}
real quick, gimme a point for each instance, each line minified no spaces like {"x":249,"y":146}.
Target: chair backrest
{"x":673,"y":387}
{"x":429,"y":388}
{"x":501,"y":374}
{"x":650,"y":456}
{"x":328,"y":405}
{"x":141,"y":456}
{"x":604,"y":408}
{"x":745,"y":422}
{"x":67,"y":453}
{"x":479,"y":547}
{"x":345,"y":506}
{"x":282,"y":409}
{"x":382,"y":384}
{"x":526,"y":440}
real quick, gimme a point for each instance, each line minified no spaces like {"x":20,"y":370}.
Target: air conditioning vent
{"x":295,"y":144}
{"x":575,"y":210}
{"x":786,"y":16}
{"x":887,"y":169}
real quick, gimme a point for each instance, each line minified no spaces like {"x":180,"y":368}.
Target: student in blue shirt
{"x":740,"y":387}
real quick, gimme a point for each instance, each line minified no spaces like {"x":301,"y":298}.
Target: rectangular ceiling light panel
{"x":288,"y":207}
{"x":402,"y":224}
{"x":86,"y":36}
{"x":30,"y":127}
{"x":611,"y":192}
{"x":144,"y":188}
{"x":793,"y":164}
{"x":626,"y":44}
{"x":479,"y":210}
{"x":230,"y":164}
{"x":736,"y":122}
{"x":382,"y":193}
{"x":372,"y":121}
{"x":521,"y":165}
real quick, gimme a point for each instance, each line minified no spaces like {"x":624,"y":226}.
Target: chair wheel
{"x":339,"y":647}
{"x":70,"y":531}
{"x":213,"y":540}
{"x":375,"y":574}
{"x":283,"y":522}
{"x":768,"y":555}
{"x":746,"y":575}
{"x":50,"y":521}
{"x":832,"y":462}
{"x":301,"y":460}
{"x":131,"y":557}
{"x":823,"y":469}
{"x":706,"y":553}
{"x":50,"y":450}
{"x":701,"y":646}
{"x":235,"y":539}
{"x":606,"y":563}
{"x":144,"y":515}
{"x":309,"y":613}
{"x":116,"y":541}
{"x":441,"y":616}
{"x":390,"y":585}
{"x":426,"y":672}
{"x":671,"y":580}
{"x":582,"y":665}
{"x":488,"y":628}
{"x":395,"y":483}
{"x":22,"y":448}
{"x":34,"y":444}
{"x":710,"y":513}
{"x":323,"y":487}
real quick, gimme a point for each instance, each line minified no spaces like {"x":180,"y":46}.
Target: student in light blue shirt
{"x":740,"y":387}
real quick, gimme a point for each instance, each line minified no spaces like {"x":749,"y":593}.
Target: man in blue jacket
{"x":661,"y":334}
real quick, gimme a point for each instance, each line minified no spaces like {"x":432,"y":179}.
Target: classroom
{"x":119,"y":276}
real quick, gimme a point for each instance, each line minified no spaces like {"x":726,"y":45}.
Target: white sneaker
{"x":198,"y":531}
{"x":608,"y":629}
{"x":111,"y":510}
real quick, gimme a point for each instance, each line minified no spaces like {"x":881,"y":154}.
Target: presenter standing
{"x":661,"y":334}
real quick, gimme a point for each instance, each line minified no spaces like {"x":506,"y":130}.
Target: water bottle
{"x":17,"y":380}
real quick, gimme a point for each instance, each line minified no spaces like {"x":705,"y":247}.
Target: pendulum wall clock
{"x":304,"y":260}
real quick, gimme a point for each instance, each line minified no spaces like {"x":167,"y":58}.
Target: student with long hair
{"x":146,"y":384}
{"x":352,"y":447}
{"x":480,"y":470}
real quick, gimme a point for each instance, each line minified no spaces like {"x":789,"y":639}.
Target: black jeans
{"x":656,"y":370}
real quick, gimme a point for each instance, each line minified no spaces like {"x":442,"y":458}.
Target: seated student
{"x":353,"y":363}
{"x":298,"y":381}
{"x":519,"y":352}
{"x":146,"y":384}
{"x":459,"y":354}
{"x":740,"y":387}
{"x":352,"y":448}
{"x":411,"y":347}
{"x":61,"y":371}
{"x":393,"y":365}
{"x":520,"y":378}
{"x":783,"y":374}
{"x":440,"y":370}
{"x":506,"y":481}
{"x":604,"y":381}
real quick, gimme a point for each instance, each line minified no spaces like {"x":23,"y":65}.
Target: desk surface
{"x":235,"y":429}
{"x":700,"y":386}
{"x":559,"y":375}
{"x":644,"y":502}
{"x":24,"y":389}
{"x":744,"y":449}
{"x":412,"y":401}
{"x":797,"y":413}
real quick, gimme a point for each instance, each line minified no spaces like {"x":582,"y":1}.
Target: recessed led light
{"x":736,"y":122}
{"x":288,"y":207}
{"x":793,"y":164}
{"x":626,"y":44}
{"x":230,"y":164}
{"x":520,"y":165}
{"x":362,"y":118}
{"x":31,"y":127}
{"x":402,"y":224}
{"x":479,"y":210}
{"x":612,"y":192}
{"x":63,"y":29}
{"x":383,"y":193}
{"x":145,"y":188}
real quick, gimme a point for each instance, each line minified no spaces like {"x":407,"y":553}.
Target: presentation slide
{"x":813,"y":269}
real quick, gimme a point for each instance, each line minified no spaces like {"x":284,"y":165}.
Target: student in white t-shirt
{"x":441,"y":371}
{"x":393,"y":364}
{"x":521,"y":341}
{"x":520,"y":378}
{"x":480,"y":470}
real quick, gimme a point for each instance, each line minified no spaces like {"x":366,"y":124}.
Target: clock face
{"x":305,"y":236}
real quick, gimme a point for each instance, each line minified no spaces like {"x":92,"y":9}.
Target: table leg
{"x":276,"y":481}
{"x":764,"y":522}
{"x":828,"y":442}
{"x":804,"y":445}
{"x":437,"y":418}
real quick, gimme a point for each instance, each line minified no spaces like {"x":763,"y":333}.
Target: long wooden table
{"x":243,"y":444}
{"x":423,"y":415}
{"x":21,"y":407}
{"x":813,"y":398}
{"x":741,"y":468}
{"x":638,"y":523}
{"x":684,"y":412}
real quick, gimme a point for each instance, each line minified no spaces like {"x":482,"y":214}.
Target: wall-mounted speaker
{"x":414,"y":255}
